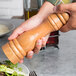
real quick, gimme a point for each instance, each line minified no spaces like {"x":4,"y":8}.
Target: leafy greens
{"x":11,"y":69}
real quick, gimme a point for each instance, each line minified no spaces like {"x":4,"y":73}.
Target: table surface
{"x":51,"y":61}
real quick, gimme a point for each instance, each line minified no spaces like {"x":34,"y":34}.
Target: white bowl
{"x":24,"y":68}
{"x":8,"y":25}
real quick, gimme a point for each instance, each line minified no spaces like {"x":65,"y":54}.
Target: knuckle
{"x":60,"y":7}
{"x":73,"y":26}
{"x":38,"y":47}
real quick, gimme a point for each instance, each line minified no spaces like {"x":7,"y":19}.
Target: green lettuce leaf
{"x":4,"y":68}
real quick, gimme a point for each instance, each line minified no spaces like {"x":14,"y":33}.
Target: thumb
{"x":16,"y":32}
{"x":67,"y":27}
{"x":63,"y":8}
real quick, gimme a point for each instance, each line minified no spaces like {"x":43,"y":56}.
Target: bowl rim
{"x":6,"y":22}
{"x":28,"y":71}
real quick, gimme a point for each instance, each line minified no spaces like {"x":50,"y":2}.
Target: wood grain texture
{"x":16,"y":49}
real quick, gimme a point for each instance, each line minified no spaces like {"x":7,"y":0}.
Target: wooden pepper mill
{"x":17,"y":48}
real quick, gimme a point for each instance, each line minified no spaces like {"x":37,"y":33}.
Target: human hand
{"x":27,"y":25}
{"x":71,"y":9}
{"x":34,"y":21}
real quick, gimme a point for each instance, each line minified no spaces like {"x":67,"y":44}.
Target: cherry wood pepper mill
{"x":17,"y":48}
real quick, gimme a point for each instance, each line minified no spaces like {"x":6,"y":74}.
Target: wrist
{"x":40,"y":17}
{"x":46,"y":10}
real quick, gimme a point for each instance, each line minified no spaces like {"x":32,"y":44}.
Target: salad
{"x":9,"y":69}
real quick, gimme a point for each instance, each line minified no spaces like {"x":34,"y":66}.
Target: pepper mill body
{"x":17,"y":48}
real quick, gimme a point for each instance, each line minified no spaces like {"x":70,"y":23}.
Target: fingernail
{"x":21,"y":61}
{"x":43,"y":39}
{"x":39,"y":43}
{"x":30,"y":53}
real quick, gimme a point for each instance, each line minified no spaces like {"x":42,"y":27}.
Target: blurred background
{"x":17,"y":8}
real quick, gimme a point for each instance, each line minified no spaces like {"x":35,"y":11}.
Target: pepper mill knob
{"x":17,"y":48}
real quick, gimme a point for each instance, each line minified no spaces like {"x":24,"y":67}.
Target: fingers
{"x":38,"y":46}
{"x":21,"y":61}
{"x":29,"y":56}
{"x":36,"y":49}
{"x":70,"y":8}
{"x":40,"y":43}
{"x":64,"y":7}
{"x":44,"y":40}
{"x":66,"y":27}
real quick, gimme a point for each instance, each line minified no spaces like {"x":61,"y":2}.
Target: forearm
{"x":31,"y":22}
{"x":45,"y":10}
